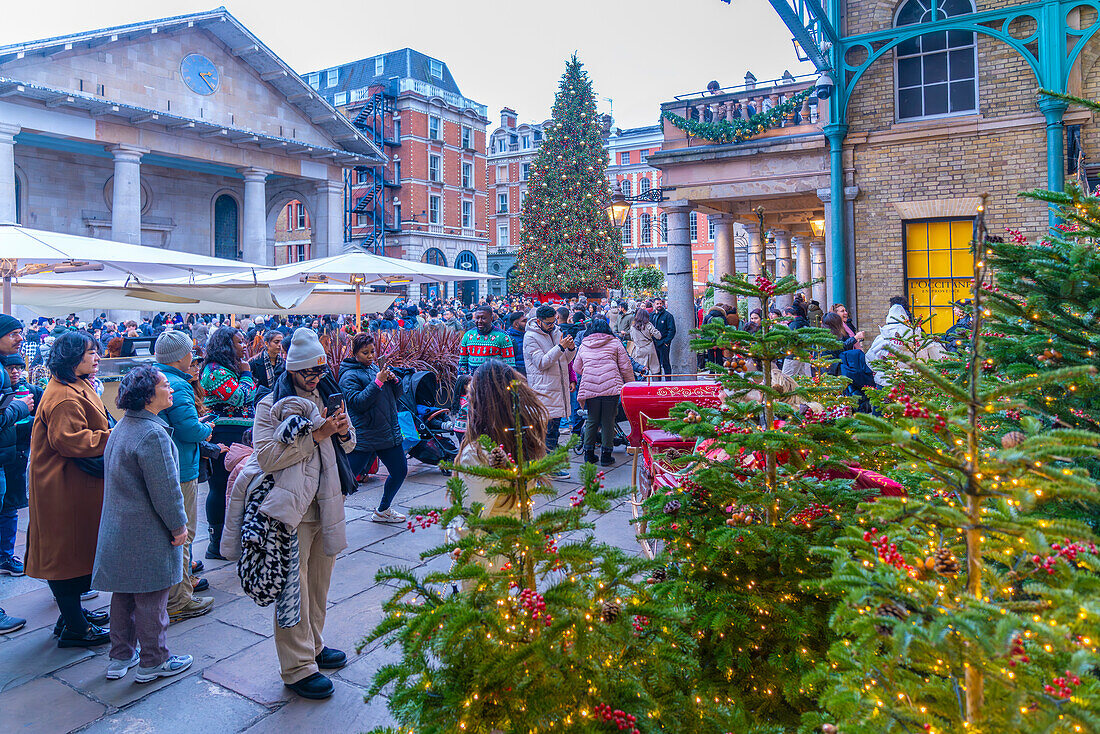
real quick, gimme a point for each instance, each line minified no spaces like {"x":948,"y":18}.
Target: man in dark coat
{"x":666,"y":325}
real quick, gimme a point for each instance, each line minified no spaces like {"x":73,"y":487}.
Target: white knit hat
{"x":305,"y":351}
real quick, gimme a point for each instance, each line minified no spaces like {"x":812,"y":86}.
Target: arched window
{"x":431,"y":291}
{"x":626,"y":188}
{"x":643,"y":185}
{"x":434,"y":256}
{"x":466,"y":290}
{"x":226,"y":228}
{"x":937,"y":72}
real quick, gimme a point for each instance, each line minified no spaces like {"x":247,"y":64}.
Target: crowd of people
{"x":282,"y":438}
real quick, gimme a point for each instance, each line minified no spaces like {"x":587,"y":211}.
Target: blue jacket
{"x":517,"y":348}
{"x":183,"y":418}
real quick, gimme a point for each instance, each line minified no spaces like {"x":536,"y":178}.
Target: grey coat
{"x":142,"y":507}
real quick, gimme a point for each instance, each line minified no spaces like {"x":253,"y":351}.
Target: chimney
{"x":750,"y":80}
{"x":508,"y":118}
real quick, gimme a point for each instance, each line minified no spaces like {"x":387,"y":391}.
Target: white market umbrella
{"x":25,"y":251}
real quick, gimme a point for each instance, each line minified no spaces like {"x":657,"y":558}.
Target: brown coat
{"x":65,"y":502}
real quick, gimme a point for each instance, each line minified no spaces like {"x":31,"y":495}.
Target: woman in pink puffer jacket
{"x":603,"y":367}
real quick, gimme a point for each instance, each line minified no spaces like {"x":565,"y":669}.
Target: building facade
{"x":510,"y":153}
{"x":429,"y":202}
{"x":186,"y":133}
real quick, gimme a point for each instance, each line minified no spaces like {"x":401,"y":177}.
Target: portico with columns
{"x":89,"y":146}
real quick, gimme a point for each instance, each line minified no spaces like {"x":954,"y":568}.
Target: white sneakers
{"x":119,"y":668}
{"x":387,"y":516}
{"x":172,"y":666}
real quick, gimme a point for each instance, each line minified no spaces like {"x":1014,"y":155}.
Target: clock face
{"x":199,"y":74}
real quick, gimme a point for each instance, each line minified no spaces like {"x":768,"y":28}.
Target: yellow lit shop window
{"x":695,"y":270}
{"x":939,"y":268}
{"x":710,"y":268}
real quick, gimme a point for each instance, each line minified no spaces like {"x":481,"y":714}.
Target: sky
{"x":503,"y":53}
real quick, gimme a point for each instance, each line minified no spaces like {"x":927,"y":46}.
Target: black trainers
{"x":606,"y":459}
{"x":330,"y":659}
{"x":93,"y":637}
{"x":97,"y":618}
{"x":314,"y":687}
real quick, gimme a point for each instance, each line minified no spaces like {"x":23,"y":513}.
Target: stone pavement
{"x":234,"y":685}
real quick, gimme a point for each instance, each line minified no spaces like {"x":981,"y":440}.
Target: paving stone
{"x":33,"y":656}
{"x":344,"y":712}
{"x":40,"y":611}
{"x":364,"y":532}
{"x":354,"y":573}
{"x":47,"y":706}
{"x":350,"y":621}
{"x":246,"y":614}
{"x":408,"y":546}
{"x":208,"y":643}
{"x":253,"y":673}
{"x":188,"y":704}
{"x":362,"y":671}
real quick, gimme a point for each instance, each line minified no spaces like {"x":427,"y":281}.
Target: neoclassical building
{"x":187,"y":133}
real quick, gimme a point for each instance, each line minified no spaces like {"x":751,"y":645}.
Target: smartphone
{"x":334,"y":403}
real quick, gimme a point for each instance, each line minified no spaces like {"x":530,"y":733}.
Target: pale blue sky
{"x":501,"y":53}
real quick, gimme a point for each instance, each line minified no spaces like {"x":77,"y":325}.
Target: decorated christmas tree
{"x":770,"y":478}
{"x":568,"y":244}
{"x":536,"y":626}
{"x":967,"y":607}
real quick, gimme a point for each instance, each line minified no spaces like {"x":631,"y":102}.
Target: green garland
{"x":738,"y":130}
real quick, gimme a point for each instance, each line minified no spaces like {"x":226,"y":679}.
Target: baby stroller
{"x":420,"y":398}
{"x":621,"y":438}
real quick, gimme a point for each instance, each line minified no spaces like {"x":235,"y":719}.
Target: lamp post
{"x":619,"y":208}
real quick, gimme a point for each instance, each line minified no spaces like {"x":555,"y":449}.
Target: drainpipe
{"x":838,"y":250}
{"x":1053,"y":109}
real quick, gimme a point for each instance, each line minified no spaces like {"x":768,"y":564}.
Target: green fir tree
{"x":567,"y":242}
{"x":555,"y":632}
{"x":966,"y":607}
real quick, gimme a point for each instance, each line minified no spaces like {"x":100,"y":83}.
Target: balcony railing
{"x":742,"y":102}
{"x":430,"y":90}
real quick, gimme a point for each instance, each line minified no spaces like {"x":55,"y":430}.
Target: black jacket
{"x":665,"y":324}
{"x":373,"y":409}
{"x":259,"y":370}
{"x":16,"y":411}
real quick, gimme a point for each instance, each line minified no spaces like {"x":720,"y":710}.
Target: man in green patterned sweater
{"x":483,"y":343}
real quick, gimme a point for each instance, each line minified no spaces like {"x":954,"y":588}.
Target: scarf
{"x":284,"y":387}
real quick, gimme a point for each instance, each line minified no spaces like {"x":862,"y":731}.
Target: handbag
{"x":348,"y":483}
{"x":94,"y":465}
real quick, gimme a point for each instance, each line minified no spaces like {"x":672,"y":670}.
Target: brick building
{"x":511,"y":150}
{"x":293,"y":234}
{"x":429,"y":202}
{"x":186,"y":133}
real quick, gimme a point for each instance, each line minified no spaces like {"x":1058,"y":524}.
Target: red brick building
{"x":429,"y":203}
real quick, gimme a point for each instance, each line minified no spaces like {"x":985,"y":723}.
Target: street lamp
{"x":619,"y":208}
{"x":817,"y":226}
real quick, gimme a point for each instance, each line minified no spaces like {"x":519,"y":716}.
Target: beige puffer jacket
{"x":307,"y":482}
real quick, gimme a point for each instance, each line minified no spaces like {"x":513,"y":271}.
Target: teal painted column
{"x":838,"y":250}
{"x":1053,"y":110}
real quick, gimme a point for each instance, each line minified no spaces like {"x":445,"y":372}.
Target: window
{"x":502,"y":145}
{"x":467,"y":175}
{"x":467,"y":138}
{"x":332,"y":77}
{"x":524,"y":171}
{"x":502,"y":235}
{"x":693,"y":226}
{"x":300,"y":221}
{"x":433,"y":168}
{"x":624,"y":158}
{"x":626,"y":187}
{"x":628,"y":230}
{"x":379,"y":65}
{"x":315,"y":80}
{"x":434,"y":209}
{"x":361,"y":175}
{"x":397,"y":216}
{"x":522,"y":198}
{"x":467,"y":214}
{"x":643,"y":185}
{"x":710,"y":228}
{"x":939,"y":268}
{"x":526,"y":142}
{"x":397,"y":171}
{"x":300,"y":253}
{"x":644,"y":155}
{"x":664,"y":227}
{"x":936,"y":73}
{"x":340,"y":99}
{"x":502,"y":174}
{"x":645,"y":236}
{"x":397,"y":130}
{"x":502,"y":203}
{"x":226,"y":227}
{"x":436,"y":68}
{"x":433,"y":127}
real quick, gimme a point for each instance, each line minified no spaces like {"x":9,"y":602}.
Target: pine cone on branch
{"x":889,"y":609}
{"x":672,"y":507}
{"x":945,"y":564}
{"x":609,"y":611}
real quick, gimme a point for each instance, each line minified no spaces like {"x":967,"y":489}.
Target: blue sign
{"x":199,"y":74}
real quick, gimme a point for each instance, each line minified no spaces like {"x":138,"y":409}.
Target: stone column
{"x":328,"y":219}
{"x":756,"y":256}
{"x":782,"y":263}
{"x":817,"y":271}
{"x":724,"y":262}
{"x":802,"y":262}
{"x":254,"y":239}
{"x":126,"y":194}
{"x":681,"y":294}
{"x":8,"y":204}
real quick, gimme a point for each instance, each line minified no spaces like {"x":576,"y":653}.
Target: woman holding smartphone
{"x":371,"y":393}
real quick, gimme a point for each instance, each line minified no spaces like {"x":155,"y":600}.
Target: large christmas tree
{"x":568,"y":243}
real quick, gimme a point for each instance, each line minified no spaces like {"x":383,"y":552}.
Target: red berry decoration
{"x":424,"y":521}
{"x":624,"y":721}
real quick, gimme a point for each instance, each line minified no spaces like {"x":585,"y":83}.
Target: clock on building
{"x":199,"y":74}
